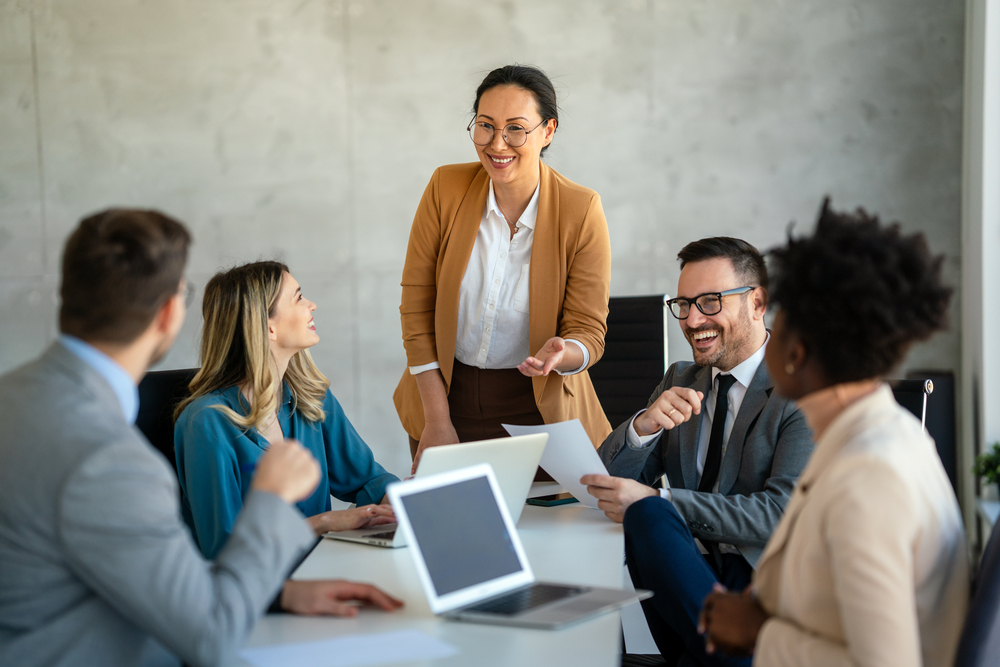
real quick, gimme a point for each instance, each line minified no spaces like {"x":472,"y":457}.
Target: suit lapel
{"x":689,"y":433}
{"x":753,"y":402}
{"x":460,"y":238}
{"x":544,"y":279}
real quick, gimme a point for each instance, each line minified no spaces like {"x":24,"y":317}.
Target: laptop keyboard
{"x":387,"y":535}
{"x":524,"y":599}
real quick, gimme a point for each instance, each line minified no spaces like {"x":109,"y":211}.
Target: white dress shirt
{"x":493,"y":300}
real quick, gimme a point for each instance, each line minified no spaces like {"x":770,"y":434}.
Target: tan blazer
{"x":868,"y":565}
{"x":569,"y":284}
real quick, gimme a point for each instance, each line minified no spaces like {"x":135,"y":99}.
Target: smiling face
{"x":510,"y":105}
{"x":291,"y":328}
{"x":729,"y":337}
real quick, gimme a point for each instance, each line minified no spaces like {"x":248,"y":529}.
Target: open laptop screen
{"x":461,"y":534}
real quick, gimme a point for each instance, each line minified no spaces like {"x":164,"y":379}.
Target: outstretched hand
{"x":554,"y":355}
{"x":334,"y":597}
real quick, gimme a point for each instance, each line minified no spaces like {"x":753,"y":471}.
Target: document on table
{"x":356,"y":651}
{"x":568,"y":456}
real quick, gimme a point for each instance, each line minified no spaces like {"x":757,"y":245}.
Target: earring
{"x":790,"y":368}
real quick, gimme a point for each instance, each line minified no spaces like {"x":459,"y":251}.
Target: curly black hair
{"x":858,"y":293}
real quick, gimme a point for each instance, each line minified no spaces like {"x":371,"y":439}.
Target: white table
{"x":567,"y":544}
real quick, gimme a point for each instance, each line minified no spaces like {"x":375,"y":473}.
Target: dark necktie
{"x":714,"y":459}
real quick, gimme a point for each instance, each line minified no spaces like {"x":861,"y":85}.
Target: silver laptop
{"x":482,"y":574}
{"x":514,"y":461}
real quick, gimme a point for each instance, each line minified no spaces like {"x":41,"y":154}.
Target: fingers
{"x":372,"y":595}
{"x":606,"y":481}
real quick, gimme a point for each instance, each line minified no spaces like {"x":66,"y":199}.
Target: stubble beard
{"x":733,"y":344}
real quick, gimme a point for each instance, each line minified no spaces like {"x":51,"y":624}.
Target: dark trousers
{"x":480,"y":400}
{"x":662,"y":557}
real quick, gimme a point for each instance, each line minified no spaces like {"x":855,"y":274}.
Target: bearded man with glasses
{"x":701,"y":476}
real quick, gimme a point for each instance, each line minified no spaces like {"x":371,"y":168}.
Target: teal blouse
{"x":216,"y":461}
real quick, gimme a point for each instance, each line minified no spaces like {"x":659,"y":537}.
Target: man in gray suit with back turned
{"x":700,"y":483}
{"x":96,"y":564}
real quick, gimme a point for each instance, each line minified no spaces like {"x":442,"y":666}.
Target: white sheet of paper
{"x":379,"y":649}
{"x":568,"y":456}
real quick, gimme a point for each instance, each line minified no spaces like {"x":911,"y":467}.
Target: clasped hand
{"x":731,"y":622}
{"x":357,"y":517}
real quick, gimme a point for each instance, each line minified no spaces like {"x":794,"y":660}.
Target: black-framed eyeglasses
{"x":514,"y":135}
{"x":709,"y":303}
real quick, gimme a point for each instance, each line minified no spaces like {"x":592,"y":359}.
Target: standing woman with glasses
{"x":506,"y":280}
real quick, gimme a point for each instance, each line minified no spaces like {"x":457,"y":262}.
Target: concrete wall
{"x":307,"y":130}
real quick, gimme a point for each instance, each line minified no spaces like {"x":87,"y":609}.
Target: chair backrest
{"x":159,"y":394}
{"x":635,"y":355}
{"x":980,"y":642}
{"x":912,"y":395}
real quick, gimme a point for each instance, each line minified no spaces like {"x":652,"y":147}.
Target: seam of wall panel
{"x":38,"y":143}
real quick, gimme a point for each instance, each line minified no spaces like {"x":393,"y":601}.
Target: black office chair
{"x":159,"y":394}
{"x":635,"y":355}
{"x":980,"y":642}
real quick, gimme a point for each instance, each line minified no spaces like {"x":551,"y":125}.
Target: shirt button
{"x":502,"y":255}
{"x":496,"y":282}
{"x":487,"y":329}
{"x":491,"y":306}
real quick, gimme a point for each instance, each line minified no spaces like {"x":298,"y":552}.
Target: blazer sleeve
{"x":623,"y":461}
{"x":122,"y":534}
{"x":355,"y":476}
{"x":749,"y":520}
{"x":869,"y":530}
{"x":588,"y":280}
{"x":210,"y":475}
{"x":419,"y":295}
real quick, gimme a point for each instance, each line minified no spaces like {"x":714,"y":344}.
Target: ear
{"x":165,"y":319}
{"x":759,"y":302}
{"x":271,"y":334}
{"x":550,"y":130}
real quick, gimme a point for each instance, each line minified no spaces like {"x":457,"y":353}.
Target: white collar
{"x":746,"y":369}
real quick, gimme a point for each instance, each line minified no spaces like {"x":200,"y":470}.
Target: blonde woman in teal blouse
{"x":258,"y":384}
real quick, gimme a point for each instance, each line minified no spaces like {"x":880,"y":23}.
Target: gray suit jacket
{"x":98,"y":567}
{"x":767,"y":449}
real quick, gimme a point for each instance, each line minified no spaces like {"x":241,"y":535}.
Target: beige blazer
{"x":868,"y":565}
{"x":569,"y":285}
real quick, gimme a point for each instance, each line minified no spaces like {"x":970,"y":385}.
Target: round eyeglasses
{"x":514,"y":135}
{"x":709,"y":303}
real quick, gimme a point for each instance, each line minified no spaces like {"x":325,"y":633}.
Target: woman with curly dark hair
{"x":868,"y":565}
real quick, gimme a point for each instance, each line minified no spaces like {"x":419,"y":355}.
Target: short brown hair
{"x":118,"y":268}
{"x":747,"y":261}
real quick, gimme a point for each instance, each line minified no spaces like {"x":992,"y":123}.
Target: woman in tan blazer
{"x":506,"y":280}
{"x":868,"y":565}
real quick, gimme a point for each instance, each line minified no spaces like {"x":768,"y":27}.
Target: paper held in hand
{"x":568,"y":456}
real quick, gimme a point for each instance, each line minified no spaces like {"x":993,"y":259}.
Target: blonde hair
{"x":235,"y":348}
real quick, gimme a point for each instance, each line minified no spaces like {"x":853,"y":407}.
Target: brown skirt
{"x":481,"y":399}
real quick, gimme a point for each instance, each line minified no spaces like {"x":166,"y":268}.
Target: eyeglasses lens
{"x":482,"y":135}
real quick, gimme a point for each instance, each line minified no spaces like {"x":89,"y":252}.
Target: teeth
{"x":502,"y":160}
{"x":702,"y":335}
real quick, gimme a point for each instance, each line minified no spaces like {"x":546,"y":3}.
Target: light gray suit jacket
{"x":98,"y":567}
{"x":768,"y":447}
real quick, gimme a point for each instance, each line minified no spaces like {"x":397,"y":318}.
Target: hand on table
{"x":288,"y":470}
{"x":555,"y":354}
{"x":333,"y":598}
{"x":615,"y":494}
{"x":731,"y":621}
{"x":674,"y":407}
{"x":435,"y":434}
{"x":358,"y":517}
